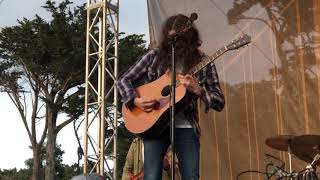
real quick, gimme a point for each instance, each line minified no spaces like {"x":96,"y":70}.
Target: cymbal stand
{"x":315,"y":159}
{"x":309,"y":172}
{"x":290,"y":159}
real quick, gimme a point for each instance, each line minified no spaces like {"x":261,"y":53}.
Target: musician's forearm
{"x":125,"y":82}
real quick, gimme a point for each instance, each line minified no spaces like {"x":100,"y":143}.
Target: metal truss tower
{"x":100,"y":92}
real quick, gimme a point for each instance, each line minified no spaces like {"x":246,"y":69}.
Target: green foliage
{"x":70,"y":171}
{"x":10,"y":174}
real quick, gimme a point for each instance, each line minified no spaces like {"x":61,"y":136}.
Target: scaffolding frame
{"x":101,"y":65}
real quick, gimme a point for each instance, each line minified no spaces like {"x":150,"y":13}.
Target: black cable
{"x":281,"y":167}
{"x":276,"y":169}
{"x":249,"y":171}
{"x":269,"y":164}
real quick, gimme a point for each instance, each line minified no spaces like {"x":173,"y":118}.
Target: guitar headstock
{"x":237,"y":43}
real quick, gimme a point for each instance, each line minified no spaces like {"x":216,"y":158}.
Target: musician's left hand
{"x":191,"y":83}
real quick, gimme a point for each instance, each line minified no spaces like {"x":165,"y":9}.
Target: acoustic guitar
{"x":151,"y":124}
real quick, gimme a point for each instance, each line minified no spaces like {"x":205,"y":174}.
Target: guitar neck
{"x":207,"y":60}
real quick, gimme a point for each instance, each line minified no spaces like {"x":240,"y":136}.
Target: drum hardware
{"x":309,"y":173}
{"x":275,"y":169}
{"x":282,"y":143}
{"x":278,"y":171}
{"x":290,"y":160}
{"x":305,"y":147}
{"x":316,"y":158}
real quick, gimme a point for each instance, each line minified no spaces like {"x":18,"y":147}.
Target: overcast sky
{"x":13,"y":136}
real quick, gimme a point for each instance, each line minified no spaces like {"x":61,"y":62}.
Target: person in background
{"x":166,"y":174}
{"x":133,"y":168}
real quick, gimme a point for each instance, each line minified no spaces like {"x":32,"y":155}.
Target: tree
{"x":63,"y":171}
{"x":45,"y":61}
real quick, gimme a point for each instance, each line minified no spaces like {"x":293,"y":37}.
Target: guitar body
{"x":151,"y":124}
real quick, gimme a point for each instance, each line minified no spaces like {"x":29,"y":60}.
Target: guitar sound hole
{"x":166,"y":91}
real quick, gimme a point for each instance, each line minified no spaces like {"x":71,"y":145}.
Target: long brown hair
{"x":187,"y":43}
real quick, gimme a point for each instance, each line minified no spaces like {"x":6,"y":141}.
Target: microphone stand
{"x":173,"y":100}
{"x":173,"y":91}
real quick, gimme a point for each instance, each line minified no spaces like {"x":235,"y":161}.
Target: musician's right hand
{"x":144,"y":103}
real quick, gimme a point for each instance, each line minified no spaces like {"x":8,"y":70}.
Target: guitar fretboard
{"x":207,"y":60}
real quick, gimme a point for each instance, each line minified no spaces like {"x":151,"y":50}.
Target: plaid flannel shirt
{"x":143,"y":68}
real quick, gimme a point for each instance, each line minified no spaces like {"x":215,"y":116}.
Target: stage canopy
{"x":271,"y":86}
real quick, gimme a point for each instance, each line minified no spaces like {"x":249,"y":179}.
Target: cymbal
{"x":305,"y":147}
{"x":280,"y":142}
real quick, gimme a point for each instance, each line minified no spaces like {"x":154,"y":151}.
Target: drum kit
{"x":305,"y":147}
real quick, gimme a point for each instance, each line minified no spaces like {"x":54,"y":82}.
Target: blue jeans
{"x":187,"y":149}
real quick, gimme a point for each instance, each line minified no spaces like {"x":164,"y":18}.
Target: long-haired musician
{"x":203,"y":85}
